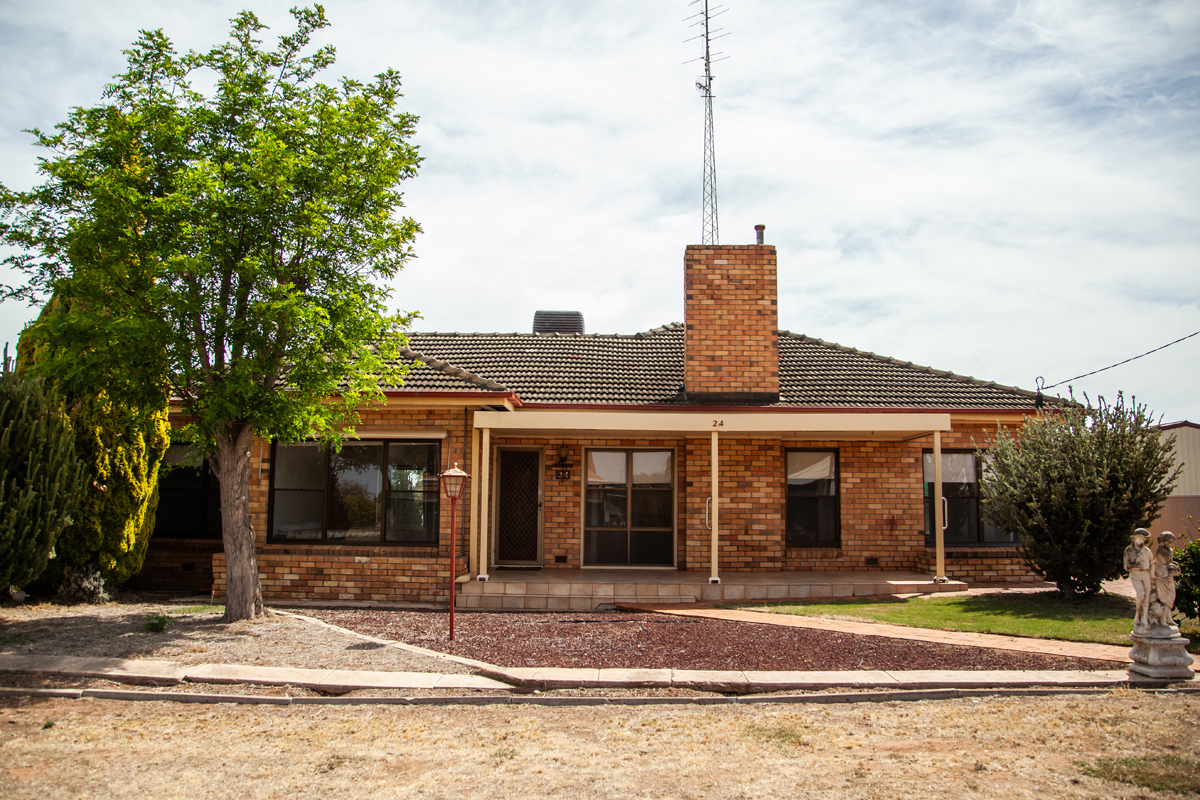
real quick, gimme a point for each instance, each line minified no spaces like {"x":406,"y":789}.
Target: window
{"x":964,"y":520}
{"x":366,"y":493}
{"x":189,"y":497}
{"x":812,"y":498}
{"x":629,"y":508}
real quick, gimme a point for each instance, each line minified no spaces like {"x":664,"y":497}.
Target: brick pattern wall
{"x":880,"y":507}
{"x":731,"y":316}
{"x":178,"y":565}
{"x":984,"y":565}
{"x":364,"y":574}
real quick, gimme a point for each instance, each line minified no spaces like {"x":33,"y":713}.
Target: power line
{"x":1040,"y":379}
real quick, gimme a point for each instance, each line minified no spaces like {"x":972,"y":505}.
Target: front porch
{"x":585,"y":589}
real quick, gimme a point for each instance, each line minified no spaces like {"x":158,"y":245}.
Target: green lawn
{"x":1107,"y":619}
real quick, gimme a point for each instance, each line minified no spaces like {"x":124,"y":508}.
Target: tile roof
{"x":647,"y":369}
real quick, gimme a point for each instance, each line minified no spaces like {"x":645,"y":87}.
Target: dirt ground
{"x":117,"y":630}
{"x":995,"y":747}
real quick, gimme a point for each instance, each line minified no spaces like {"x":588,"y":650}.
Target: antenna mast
{"x":710,"y":233}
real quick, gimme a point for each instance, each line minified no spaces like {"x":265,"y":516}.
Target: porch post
{"x":939,"y":516}
{"x":484,"y":487}
{"x":713,"y":577}
{"x":473,"y":560}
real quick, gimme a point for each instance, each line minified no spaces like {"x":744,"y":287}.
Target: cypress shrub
{"x":121,"y":448}
{"x":39,"y":475}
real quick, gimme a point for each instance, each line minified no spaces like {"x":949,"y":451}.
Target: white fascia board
{"x":801,"y":424}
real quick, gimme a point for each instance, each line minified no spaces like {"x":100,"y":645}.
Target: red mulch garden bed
{"x":653,"y":641}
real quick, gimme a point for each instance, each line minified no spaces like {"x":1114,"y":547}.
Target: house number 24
{"x":718,"y":423}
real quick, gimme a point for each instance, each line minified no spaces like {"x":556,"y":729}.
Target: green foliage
{"x":39,"y":474}
{"x":229,"y":245}
{"x":156,"y":623}
{"x":1164,"y":773}
{"x":1042,"y":615}
{"x":1074,"y":485}
{"x":234,"y":245}
{"x":121,"y":449}
{"x":1187,"y":585}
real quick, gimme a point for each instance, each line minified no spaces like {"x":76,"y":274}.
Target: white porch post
{"x":939,"y":516}
{"x":716,"y":504}
{"x":484,"y":486}
{"x":473,"y":561}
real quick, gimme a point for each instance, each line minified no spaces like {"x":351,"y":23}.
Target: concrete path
{"x":167,"y":673}
{"x":1049,"y":647}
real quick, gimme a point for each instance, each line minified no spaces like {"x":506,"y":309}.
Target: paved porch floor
{"x":585,"y":589}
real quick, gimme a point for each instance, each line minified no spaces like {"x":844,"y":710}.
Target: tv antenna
{"x":710,"y":233}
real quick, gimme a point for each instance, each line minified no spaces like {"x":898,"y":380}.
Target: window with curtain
{"x":964,"y":518}
{"x":812,"y":498}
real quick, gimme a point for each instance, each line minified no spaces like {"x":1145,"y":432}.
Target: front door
{"x":519,"y":507}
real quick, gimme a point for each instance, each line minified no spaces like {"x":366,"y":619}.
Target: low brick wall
{"x":178,"y":564}
{"x":360,"y":574}
{"x":982,"y":565}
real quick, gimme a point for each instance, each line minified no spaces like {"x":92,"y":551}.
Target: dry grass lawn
{"x":1002,"y":747}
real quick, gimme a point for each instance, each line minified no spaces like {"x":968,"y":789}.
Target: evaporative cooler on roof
{"x":557,"y":322}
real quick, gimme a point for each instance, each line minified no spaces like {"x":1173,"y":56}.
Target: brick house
{"x":715,"y":453}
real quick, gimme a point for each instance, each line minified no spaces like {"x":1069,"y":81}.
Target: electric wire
{"x":1042,"y":388}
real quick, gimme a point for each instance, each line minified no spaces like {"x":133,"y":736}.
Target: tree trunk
{"x":243,"y":594}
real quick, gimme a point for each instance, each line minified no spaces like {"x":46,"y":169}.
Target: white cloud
{"x":1004,"y":189}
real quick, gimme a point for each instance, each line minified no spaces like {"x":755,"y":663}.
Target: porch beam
{"x":473,"y":560}
{"x":798,"y":424}
{"x":939,"y":516}
{"x":716,"y":504}
{"x":485,"y":451}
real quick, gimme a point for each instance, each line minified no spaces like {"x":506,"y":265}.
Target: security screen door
{"x":518,"y":513}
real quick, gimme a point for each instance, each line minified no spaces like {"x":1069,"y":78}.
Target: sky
{"x":1008,"y":190}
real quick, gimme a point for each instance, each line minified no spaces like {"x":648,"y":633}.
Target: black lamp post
{"x":453,"y":481}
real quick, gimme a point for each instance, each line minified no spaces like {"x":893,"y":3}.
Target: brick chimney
{"x":731,"y":313}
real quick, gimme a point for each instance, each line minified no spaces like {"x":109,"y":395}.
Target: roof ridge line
{"x":921,"y":368}
{"x":451,"y":369}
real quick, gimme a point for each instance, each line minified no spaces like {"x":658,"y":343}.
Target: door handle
{"x":945,"y":513}
{"x":707,"y":501}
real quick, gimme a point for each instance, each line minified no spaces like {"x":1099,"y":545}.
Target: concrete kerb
{"x":485,"y":700}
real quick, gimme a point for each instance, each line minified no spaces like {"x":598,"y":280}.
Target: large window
{"x":189,"y":497}
{"x":812,"y":498}
{"x":630,"y":508}
{"x":368,"y":493}
{"x":964,"y":520}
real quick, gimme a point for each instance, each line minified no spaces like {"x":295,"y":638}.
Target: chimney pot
{"x":758,"y":233}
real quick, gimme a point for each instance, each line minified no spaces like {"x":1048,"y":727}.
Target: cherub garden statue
{"x":1158,"y":649}
{"x":1138,"y":558}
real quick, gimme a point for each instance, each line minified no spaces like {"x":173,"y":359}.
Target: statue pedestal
{"x":1160,"y":652}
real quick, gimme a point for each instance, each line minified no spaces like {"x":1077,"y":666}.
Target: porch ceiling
{"x":776,"y":425}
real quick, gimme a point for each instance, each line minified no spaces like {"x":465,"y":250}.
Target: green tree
{"x":39,"y":474}
{"x":1074,"y":484}
{"x":233,"y":247}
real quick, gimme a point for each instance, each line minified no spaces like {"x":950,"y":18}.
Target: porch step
{"x":558,"y":602}
{"x":562,"y":592}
